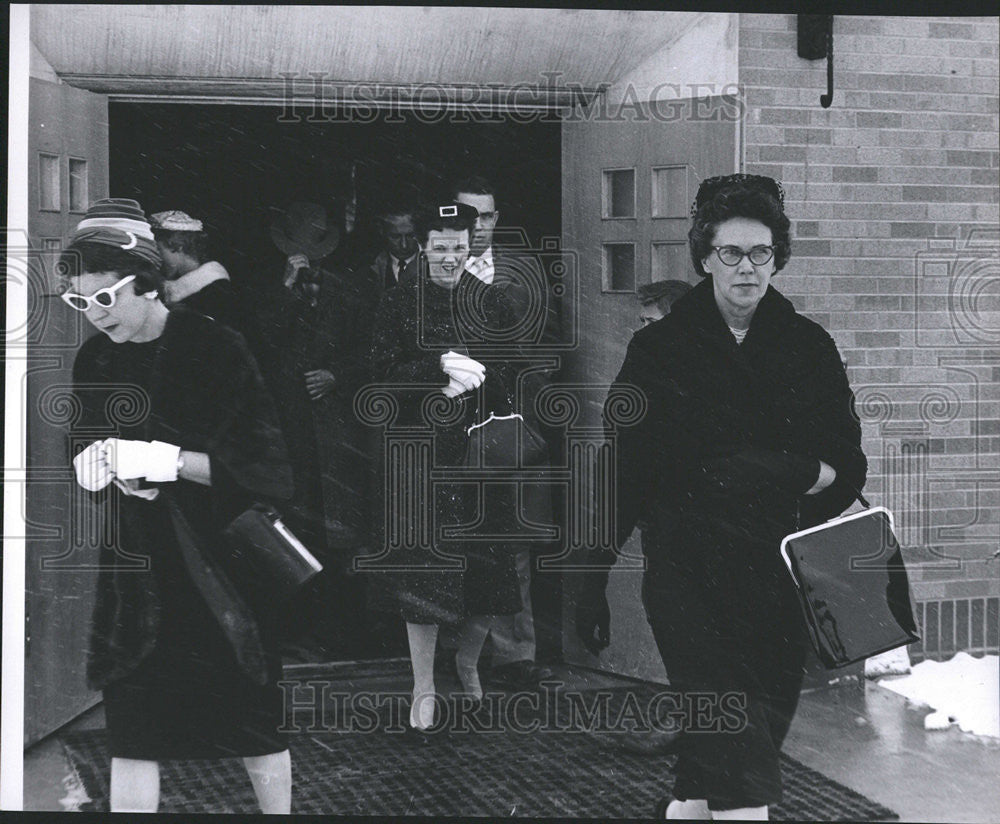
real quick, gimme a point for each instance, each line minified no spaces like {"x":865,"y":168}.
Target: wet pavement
{"x":865,"y":737}
{"x":873,"y":741}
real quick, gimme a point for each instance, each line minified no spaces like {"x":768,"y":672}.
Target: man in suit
{"x":317,"y":317}
{"x":399,"y":243}
{"x":512,"y":264}
{"x":513,"y":268}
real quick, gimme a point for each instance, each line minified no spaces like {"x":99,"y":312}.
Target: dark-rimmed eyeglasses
{"x":732,"y":255}
{"x":105,"y":298}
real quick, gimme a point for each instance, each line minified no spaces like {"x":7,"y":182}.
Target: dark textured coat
{"x":714,"y":559}
{"x":520,"y":276}
{"x":220,"y":301}
{"x":205,"y":394}
{"x":415,"y":324}
{"x":326,"y":442}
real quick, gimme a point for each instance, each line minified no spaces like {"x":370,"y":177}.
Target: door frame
{"x":15,"y":450}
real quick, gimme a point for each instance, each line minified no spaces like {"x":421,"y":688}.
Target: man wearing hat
{"x":316,"y":322}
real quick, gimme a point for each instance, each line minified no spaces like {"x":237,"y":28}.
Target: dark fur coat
{"x":203,"y":393}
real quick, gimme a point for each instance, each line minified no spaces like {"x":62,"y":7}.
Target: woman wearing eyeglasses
{"x":749,"y":431}
{"x":176,"y":436}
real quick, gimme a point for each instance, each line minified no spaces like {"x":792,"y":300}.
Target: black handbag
{"x":262,"y":565}
{"x":268,"y":562}
{"x":505,"y":442}
{"x":512,"y":456}
{"x":852,"y":586}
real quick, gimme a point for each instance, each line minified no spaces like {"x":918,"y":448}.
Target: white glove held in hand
{"x":453,"y":389}
{"x":466,"y":371}
{"x":131,"y":488}
{"x":155,"y":461}
{"x":92,"y":471}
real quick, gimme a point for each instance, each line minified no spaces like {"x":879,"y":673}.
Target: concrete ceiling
{"x":99,"y":46}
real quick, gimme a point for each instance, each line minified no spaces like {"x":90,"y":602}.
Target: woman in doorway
{"x":749,"y":429}
{"x":429,"y":337}
{"x":189,"y":439}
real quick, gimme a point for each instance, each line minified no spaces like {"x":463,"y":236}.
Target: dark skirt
{"x":479,"y":577}
{"x":188,"y":698}
{"x":750,"y":665}
{"x":184,"y":707}
{"x":422,"y":595}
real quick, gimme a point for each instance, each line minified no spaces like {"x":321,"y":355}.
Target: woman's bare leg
{"x":271,"y":776}
{"x":694,"y":809}
{"x":470,"y":644}
{"x":423,"y":639}
{"x":135,"y":785}
{"x":744,"y":814}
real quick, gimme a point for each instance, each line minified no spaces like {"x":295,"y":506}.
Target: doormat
{"x":530,"y":770}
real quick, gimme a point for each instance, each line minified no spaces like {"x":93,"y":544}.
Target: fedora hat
{"x":303,"y":228}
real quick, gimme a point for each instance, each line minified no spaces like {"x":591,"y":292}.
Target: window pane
{"x":619,"y":267}
{"x":670,"y":192}
{"x":671,"y":261}
{"x":619,"y":193}
{"x":48,"y":182}
{"x":78,"y":197}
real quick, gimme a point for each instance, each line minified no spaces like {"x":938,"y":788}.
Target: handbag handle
{"x":494,"y":417}
{"x":861,"y":499}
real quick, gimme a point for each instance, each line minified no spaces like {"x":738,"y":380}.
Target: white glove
{"x":453,"y":389}
{"x":468,"y":372}
{"x":131,"y":488}
{"x":93,"y":472}
{"x":155,"y":461}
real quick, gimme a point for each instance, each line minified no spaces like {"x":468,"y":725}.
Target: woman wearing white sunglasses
{"x":186,"y":670}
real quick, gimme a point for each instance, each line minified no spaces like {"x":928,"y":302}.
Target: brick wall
{"x":893,"y":195}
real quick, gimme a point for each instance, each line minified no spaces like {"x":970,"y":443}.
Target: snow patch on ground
{"x":894,"y":662}
{"x":964,"y":688}
{"x":76,"y":795}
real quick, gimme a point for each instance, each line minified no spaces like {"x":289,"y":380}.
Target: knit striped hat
{"x":119,"y":222}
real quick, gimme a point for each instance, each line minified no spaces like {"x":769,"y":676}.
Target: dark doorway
{"x":230,"y":165}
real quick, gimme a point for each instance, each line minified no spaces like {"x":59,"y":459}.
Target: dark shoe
{"x":520,"y":675}
{"x":427,"y":735}
{"x":424,"y":738}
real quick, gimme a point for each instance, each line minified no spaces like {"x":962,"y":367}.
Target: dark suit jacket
{"x":381,"y":267}
{"x":518,"y":273}
{"x":323,"y":435}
